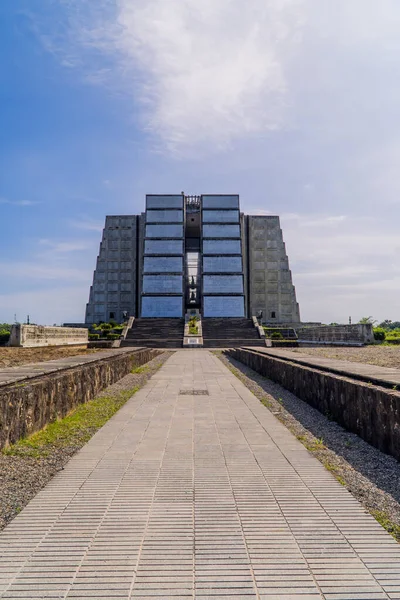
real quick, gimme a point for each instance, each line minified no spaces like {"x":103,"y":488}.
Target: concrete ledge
{"x":37,"y":336}
{"x":104,"y":344}
{"x":29,"y":404}
{"x":352,"y":334}
{"x":383,"y":376}
{"x":372,"y":412}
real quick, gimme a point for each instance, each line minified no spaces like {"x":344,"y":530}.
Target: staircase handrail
{"x":260,"y":330}
{"x":127,"y":327}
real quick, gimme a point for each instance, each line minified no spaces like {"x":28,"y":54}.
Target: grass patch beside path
{"x":384,"y":520}
{"x":73,"y":430}
{"x":27,"y":466}
{"x":142,"y":369}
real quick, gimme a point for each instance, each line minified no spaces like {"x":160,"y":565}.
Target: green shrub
{"x":113,"y":336}
{"x":118,"y":329}
{"x":395,"y":333}
{"x":276,"y":335}
{"x":105,"y":327}
{"x":94,"y":336}
{"x":393,"y":340}
{"x":4,"y":336}
{"x":379,"y":334}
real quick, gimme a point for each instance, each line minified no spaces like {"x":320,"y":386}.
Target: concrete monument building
{"x":192,"y":252}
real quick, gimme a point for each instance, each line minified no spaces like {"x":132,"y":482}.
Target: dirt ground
{"x":13,"y":357}
{"x":382,"y":356}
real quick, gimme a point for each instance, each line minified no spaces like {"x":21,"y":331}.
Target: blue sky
{"x":293,"y":104}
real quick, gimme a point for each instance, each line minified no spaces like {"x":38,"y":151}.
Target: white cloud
{"x":57,"y":247}
{"x":206,"y":73}
{"x":18,"y":202}
{"x":201,"y":76}
{"x":211,"y":72}
{"x":45,"y":307}
{"x":343,"y":266}
{"x":87,"y":225}
{"x":313,"y":220}
{"x":37,"y":272}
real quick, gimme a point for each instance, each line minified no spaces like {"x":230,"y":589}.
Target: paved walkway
{"x":185,"y":495}
{"x":385,"y":376}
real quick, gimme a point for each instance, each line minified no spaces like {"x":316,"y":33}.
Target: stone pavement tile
{"x":182,"y":496}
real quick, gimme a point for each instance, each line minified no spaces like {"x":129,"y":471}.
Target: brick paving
{"x":194,"y":495}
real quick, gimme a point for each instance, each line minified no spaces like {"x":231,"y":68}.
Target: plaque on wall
{"x":223,"y":284}
{"x":222,"y":247}
{"x":220,"y":216}
{"x":162,"y":306}
{"x":164,"y":216}
{"x":221,"y":231}
{"x":162,"y":284}
{"x":212,"y":201}
{"x":222,"y":264}
{"x":164,"y":231}
{"x":223,"y":306}
{"x":163,"y":247}
{"x":163,"y":264}
{"x":164,"y":201}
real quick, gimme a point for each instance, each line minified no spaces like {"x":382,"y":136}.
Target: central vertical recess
{"x":192,"y":252}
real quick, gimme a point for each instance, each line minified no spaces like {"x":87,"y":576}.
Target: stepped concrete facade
{"x":192,"y":252}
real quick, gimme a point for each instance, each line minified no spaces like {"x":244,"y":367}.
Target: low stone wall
{"x":371,"y":412}
{"x":26,"y":407}
{"x":284,"y":343}
{"x":36,"y":336}
{"x":345,"y":334}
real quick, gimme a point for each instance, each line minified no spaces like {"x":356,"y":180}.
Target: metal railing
{"x":193,"y":201}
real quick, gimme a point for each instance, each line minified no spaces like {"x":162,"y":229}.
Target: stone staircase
{"x":230,"y":333}
{"x":155,"y":333}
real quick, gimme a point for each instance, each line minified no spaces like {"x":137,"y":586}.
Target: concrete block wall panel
{"x":161,"y":279}
{"x":140,"y":258}
{"x":270,"y":280}
{"x":114,"y":288}
{"x":244,"y":244}
{"x":223,"y":288}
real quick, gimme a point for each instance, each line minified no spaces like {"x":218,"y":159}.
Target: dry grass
{"x":381,"y":356}
{"x":13,"y":357}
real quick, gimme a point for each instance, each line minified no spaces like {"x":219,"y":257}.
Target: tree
{"x":367,"y":321}
{"x":389,"y":325}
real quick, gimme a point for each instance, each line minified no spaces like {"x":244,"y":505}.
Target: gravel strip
{"x":381,"y":356}
{"x":371,"y":476}
{"x":22,"y":477}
